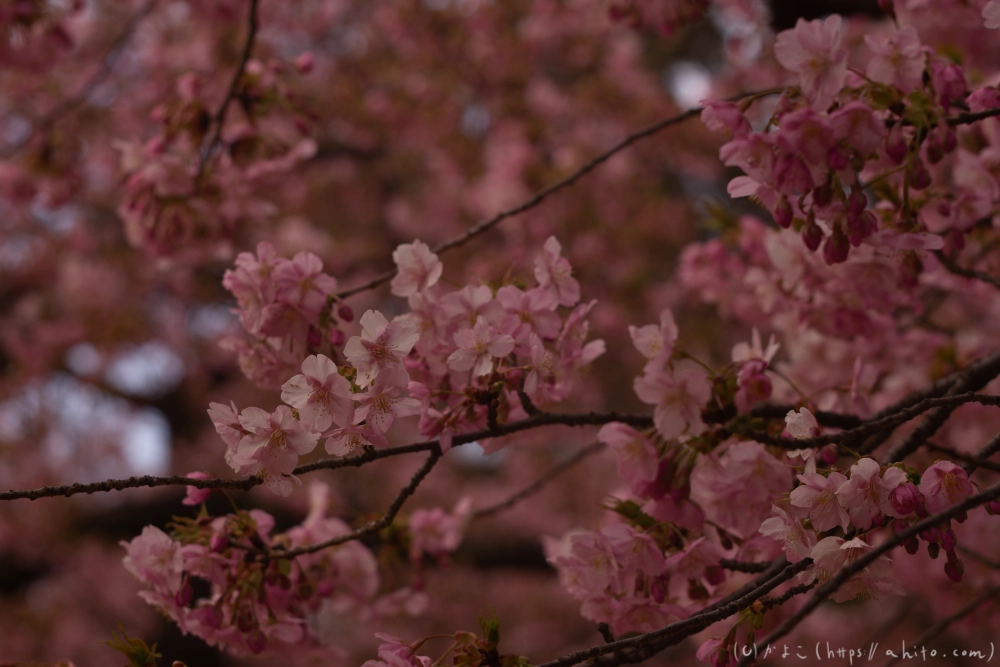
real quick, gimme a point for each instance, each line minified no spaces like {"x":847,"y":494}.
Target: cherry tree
{"x":393,"y":295}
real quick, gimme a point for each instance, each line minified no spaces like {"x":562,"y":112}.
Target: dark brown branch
{"x":979,"y":459}
{"x":675,"y":632}
{"x":535,"y":421}
{"x":874,"y":426}
{"x":846,"y":572}
{"x":372,"y":526}
{"x":958,"y":270}
{"x":969,"y":118}
{"x":234,"y":85}
{"x":743,"y":566}
{"x":943,"y":624}
{"x":535,"y":486}
{"x":484,"y":226}
{"x":130,"y":483}
{"x":970,"y":459}
{"x":788,"y":595}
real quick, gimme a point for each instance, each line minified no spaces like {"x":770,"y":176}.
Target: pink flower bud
{"x":304,"y":63}
{"x":194,"y":495}
{"x":905,"y":498}
{"x":812,"y":235}
{"x":895,"y":147}
{"x":836,"y":159}
{"x":345,"y":313}
{"x":954,"y":569}
{"x":948,"y":540}
{"x":993,"y":507}
{"x":935,"y":151}
{"x":337,"y":337}
{"x":920,"y":178}
{"x":256,"y":641}
{"x":218,"y":542}
{"x":836,"y":248}
{"x":783,"y":213}
{"x":933,"y":550}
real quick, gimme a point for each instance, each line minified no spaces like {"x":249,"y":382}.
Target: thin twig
{"x":220,"y":116}
{"x":958,"y":270}
{"x":743,"y":566}
{"x":943,"y":624}
{"x":979,"y":459}
{"x":372,"y":526}
{"x":484,"y":226}
{"x":535,"y":486}
{"x":535,"y":421}
{"x":971,"y":460}
{"x":846,"y":572}
{"x":871,"y":427}
{"x":687,"y":627}
{"x":770,"y":602}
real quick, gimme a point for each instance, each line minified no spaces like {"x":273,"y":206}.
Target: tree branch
{"x":535,"y":486}
{"x":484,"y":226}
{"x":220,"y":116}
{"x":434,"y":446}
{"x":846,"y":572}
{"x":372,"y":526}
{"x":943,"y":624}
{"x":958,"y":270}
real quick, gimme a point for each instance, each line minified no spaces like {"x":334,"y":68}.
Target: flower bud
{"x":920,"y":178}
{"x":345,"y":313}
{"x":905,"y":498}
{"x":948,"y":540}
{"x":954,"y":569}
{"x":256,"y":641}
{"x":993,"y":507}
{"x":218,"y":542}
{"x":895,"y":147}
{"x":783,"y":213}
{"x":836,"y":248}
{"x":933,"y":550}
{"x":812,"y":235}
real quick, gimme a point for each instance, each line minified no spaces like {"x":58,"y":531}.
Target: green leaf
{"x":133,"y":648}
{"x":491,"y":630}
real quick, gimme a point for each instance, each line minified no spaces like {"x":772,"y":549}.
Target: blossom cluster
{"x":225,"y":580}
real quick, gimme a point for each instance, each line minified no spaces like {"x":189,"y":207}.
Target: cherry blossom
{"x":656,"y":343}
{"x":678,"y":394}
{"x":818,"y":495}
{"x":478,"y":346}
{"x":554,"y":273}
{"x":418,"y":268}
{"x":991,"y":12}
{"x":637,"y":457}
{"x":943,"y":485}
{"x":382,"y":345}
{"x":320,"y":394}
{"x":272,"y":447}
{"x":386,"y":400}
{"x":899,"y":59}
{"x":798,"y":541}
{"x":812,"y":50}
{"x":866,"y":493}
{"x":801,"y":424}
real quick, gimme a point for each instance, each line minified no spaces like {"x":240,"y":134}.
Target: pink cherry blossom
{"x":351,"y":439}
{"x":320,"y":394}
{"x":656,"y":343}
{"x":812,"y":50}
{"x":272,"y":447}
{"x":302,"y":283}
{"x":833,"y":553}
{"x":437,"y":533}
{"x":477,"y":348}
{"x":418,"y":268}
{"x":678,"y":394}
{"x":797,"y":540}
{"x":818,"y":495}
{"x":801,"y":424}
{"x":991,"y":13}
{"x":382,"y":345}
{"x":899,"y":59}
{"x":944,"y":484}
{"x":227,"y":423}
{"x":386,"y":400}
{"x":552,"y":271}
{"x":192,"y":494}
{"x":155,"y":559}
{"x":718,"y":115}
{"x":866,"y":493}
{"x":527,"y":312}
{"x":638,"y":460}
{"x":743,"y":351}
